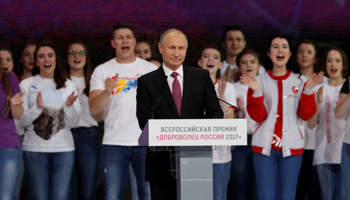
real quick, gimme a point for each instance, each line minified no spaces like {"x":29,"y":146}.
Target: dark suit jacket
{"x":199,"y":100}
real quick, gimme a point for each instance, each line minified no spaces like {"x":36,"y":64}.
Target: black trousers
{"x":308,"y":183}
{"x":163,"y":191}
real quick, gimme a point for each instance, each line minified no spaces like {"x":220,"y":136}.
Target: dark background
{"x":326,"y":22}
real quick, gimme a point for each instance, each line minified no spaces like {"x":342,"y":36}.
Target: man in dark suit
{"x":173,"y":91}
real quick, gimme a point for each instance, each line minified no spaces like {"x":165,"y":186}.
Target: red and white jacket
{"x":277,"y":112}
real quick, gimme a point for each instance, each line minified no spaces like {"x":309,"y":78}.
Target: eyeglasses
{"x":80,"y":53}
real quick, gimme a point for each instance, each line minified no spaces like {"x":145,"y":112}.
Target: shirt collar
{"x":279,"y":78}
{"x":168,"y":71}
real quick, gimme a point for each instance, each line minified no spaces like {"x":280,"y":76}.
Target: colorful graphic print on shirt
{"x":124,"y":85}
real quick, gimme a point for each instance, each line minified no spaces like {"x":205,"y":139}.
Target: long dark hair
{"x":59,"y":76}
{"x":19,"y":70}
{"x":245,"y":52}
{"x":212,"y":46}
{"x":306,"y":41}
{"x":87,"y":67}
{"x":343,"y":57}
{"x":289,"y":64}
{"x":149,"y":40}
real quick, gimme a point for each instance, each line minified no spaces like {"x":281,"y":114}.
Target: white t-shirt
{"x":222,"y":154}
{"x":86,"y":118}
{"x":310,"y":134}
{"x":48,"y":128}
{"x":121,"y":125}
{"x":330,"y":130}
{"x":241,"y":93}
{"x":225,"y":65}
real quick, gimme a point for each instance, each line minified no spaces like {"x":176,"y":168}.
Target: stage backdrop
{"x":326,"y":21}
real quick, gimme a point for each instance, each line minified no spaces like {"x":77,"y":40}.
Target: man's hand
{"x":111,"y":83}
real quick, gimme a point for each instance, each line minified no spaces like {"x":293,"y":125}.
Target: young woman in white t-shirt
{"x":211,"y":61}
{"x":242,"y":179}
{"x":342,"y":111}
{"x":277,"y":100}
{"x":79,"y":70}
{"x":308,"y":183}
{"x":50,"y":111}
{"x":329,"y":130}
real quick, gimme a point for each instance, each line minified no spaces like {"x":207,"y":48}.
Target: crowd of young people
{"x":298,"y":146}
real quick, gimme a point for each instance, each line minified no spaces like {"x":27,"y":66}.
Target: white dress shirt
{"x":170,"y":79}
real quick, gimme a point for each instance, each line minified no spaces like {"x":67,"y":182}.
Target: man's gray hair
{"x":173,"y":30}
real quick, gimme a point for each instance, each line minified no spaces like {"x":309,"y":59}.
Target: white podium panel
{"x":190,"y":144}
{"x":197,"y":132}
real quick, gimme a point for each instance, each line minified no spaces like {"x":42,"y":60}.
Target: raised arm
{"x":98,"y":99}
{"x":228,"y":111}
{"x":16,"y":106}
{"x":255,"y":99}
{"x":307,"y":105}
{"x":313,"y":121}
{"x":30,"y":113}
{"x":72,"y":110}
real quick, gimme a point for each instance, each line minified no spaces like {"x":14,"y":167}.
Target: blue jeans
{"x":267,"y":168}
{"x":345,"y":172}
{"x":20,"y":171}
{"x":116,"y":160}
{"x":48,"y":174}
{"x":86,"y":162}
{"x":329,"y":176}
{"x":221,"y":177}
{"x":242,"y":181}
{"x":132,"y":183}
{"x":9,"y":161}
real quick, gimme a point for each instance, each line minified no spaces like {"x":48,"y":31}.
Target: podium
{"x":190,"y":142}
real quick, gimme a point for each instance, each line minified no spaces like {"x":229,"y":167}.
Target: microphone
{"x":227,"y":103}
{"x":161,"y":94}
{"x":156,"y":105}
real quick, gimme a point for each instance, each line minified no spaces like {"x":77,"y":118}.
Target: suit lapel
{"x":186,"y":92}
{"x":162,"y":84}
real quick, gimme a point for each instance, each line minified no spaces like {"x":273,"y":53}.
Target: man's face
{"x":124,"y":43}
{"x":173,"y":50}
{"x":234,"y":43}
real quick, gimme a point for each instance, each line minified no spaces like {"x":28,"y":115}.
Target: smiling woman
{"x":79,"y":70}
{"x":308,"y":183}
{"x":211,"y":60}
{"x":330,"y":131}
{"x":50,"y":110}
{"x":278,"y":141}
{"x":26,"y":61}
{"x":6,"y":60}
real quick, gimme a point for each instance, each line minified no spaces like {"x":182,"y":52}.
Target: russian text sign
{"x":197,"y":132}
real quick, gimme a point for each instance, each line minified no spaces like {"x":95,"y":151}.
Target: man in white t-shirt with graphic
{"x":234,"y":42}
{"x":113,"y":89}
